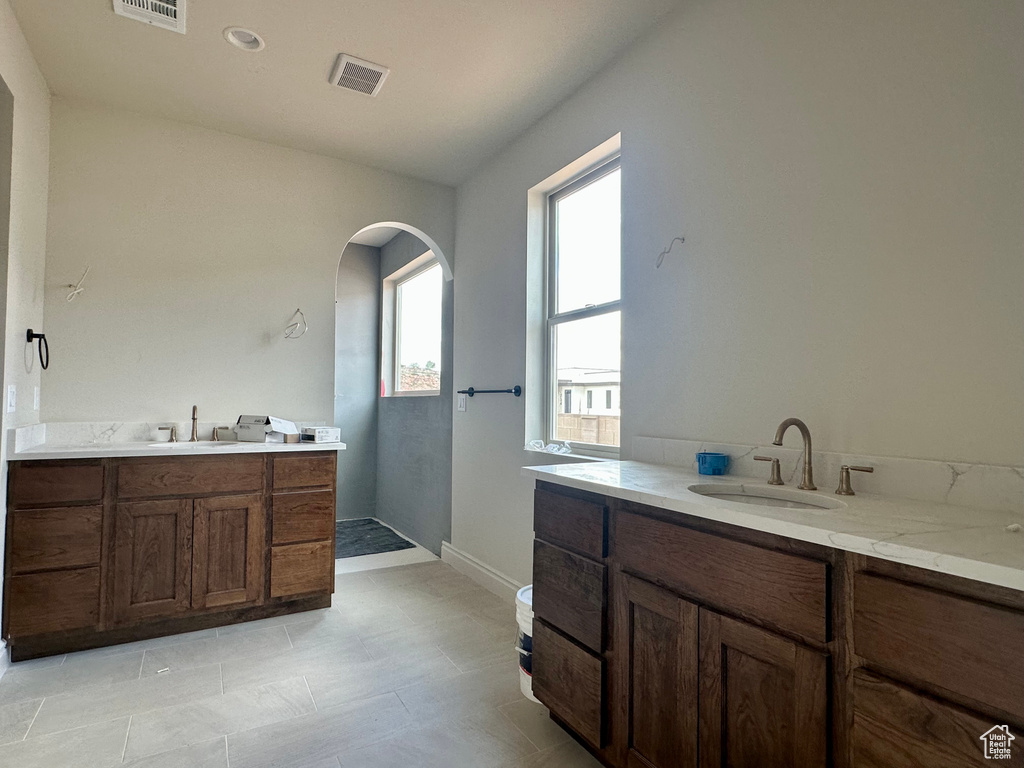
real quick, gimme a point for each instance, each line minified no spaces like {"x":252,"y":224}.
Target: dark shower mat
{"x":365,"y":537}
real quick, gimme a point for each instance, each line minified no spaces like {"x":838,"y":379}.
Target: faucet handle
{"x":845,"y":488}
{"x":776,"y":478}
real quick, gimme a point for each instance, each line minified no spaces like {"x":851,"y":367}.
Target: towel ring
{"x":44,"y":347}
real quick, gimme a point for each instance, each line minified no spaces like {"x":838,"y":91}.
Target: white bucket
{"x":524,"y":641}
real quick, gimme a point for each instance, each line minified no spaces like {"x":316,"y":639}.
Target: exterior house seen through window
{"x":584,"y":315}
{"x":418,"y":331}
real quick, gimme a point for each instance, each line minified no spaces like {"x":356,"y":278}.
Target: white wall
{"x":849,"y":177}
{"x":357,"y":379}
{"x":202,"y":245}
{"x":23,"y":273}
{"x":29,"y":188}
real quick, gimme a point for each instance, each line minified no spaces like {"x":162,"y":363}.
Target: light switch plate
{"x":462,"y":402}
{"x":12,"y":398}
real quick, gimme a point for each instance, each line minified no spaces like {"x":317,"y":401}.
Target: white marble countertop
{"x":99,"y":450}
{"x":983,"y":545}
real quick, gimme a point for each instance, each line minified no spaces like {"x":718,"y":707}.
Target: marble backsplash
{"x":982,"y":486}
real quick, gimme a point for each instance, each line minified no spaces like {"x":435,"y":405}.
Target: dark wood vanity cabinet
{"x":668,"y":641}
{"x":106,"y":551}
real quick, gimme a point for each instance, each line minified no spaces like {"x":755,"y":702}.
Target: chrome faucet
{"x":195,"y":431}
{"x":808,"y":482}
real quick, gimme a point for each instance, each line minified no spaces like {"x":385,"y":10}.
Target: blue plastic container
{"x":712,"y":463}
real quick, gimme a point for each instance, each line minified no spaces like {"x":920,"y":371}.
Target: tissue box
{"x":266,"y":429}
{"x":321,"y":434}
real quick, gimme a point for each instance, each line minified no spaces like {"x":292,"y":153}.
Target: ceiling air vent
{"x":358,"y":75}
{"x":168,"y":14}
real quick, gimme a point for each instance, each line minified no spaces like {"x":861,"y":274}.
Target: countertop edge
{"x":135,"y":450}
{"x":884,"y":549}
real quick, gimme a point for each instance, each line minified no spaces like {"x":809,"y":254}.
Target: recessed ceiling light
{"x":243,"y":38}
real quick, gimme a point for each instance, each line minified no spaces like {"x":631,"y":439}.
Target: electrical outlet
{"x":35,"y":399}
{"x":12,"y":398}
{"x":462,"y":402}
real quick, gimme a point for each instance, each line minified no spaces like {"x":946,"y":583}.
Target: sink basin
{"x":766,"y":496}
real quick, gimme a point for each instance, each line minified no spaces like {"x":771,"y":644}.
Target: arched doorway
{"x":398,"y":464}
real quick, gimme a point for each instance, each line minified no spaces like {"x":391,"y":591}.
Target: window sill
{"x":569,"y":457}
{"x":424,"y":393}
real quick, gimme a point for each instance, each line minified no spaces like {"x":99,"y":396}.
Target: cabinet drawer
{"x":189,"y":476}
{"x":569,"y":681}
{"x":787,"y":591}
{"x":39,"y":483}
{"x":54,"y":601}
{"x":303,"y":516}
{"x":569,"y":593}
{"x":895,"y":727}
{"x":304,"y":471}
{"x":571,"y":523}
{"x":962,"y":645}
{"x":297,"y":569}
{"x":43,"y":539}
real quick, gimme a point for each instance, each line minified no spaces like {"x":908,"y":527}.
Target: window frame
{"x":553,"y":319}
{"x":396,"y":340}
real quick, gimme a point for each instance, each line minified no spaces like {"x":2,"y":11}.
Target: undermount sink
{"x":766,"y":496}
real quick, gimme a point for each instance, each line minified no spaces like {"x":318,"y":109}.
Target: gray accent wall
{"x":356,"y":379}
{"x":414,"y":434}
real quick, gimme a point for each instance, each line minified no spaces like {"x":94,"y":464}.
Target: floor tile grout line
{"x":409,"y":711}
{"x":124,"y":749}
{"x":516,"y":726}
{"x":288,"y":634}
{"x":366,"y":650}
{"x":311,"y":696}
{"x":227,"y":758}
{"x":38,"y":710}
{"x":112,"y":651}
{"x":461,"y":671}
{"x":221,"y":665}
{"x":121,"y":716}
{"x":142,"y":665}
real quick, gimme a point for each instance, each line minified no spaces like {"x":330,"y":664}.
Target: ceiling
{"x":467,"y":76}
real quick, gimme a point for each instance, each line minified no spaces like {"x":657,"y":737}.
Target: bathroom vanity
{"x":674,"y":630}
{"x":110,"y":549}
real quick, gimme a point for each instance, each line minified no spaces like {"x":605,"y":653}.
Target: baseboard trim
{"x":5,"y":660}
{"x":488,"y":578}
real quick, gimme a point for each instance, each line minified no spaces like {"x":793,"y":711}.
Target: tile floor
{"x":411,"y":667}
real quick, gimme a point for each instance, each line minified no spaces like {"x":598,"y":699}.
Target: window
{"x":607,"y":399}
{"x":568,"y":401}
{"x":583,"y":304}
{"x":417,"y":358}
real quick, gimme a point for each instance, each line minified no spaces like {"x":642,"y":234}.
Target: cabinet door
{"x":152,"y":559}
{"x":763,"y":698}
{"x":228,"y":551}
{"x":658,"y":636}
